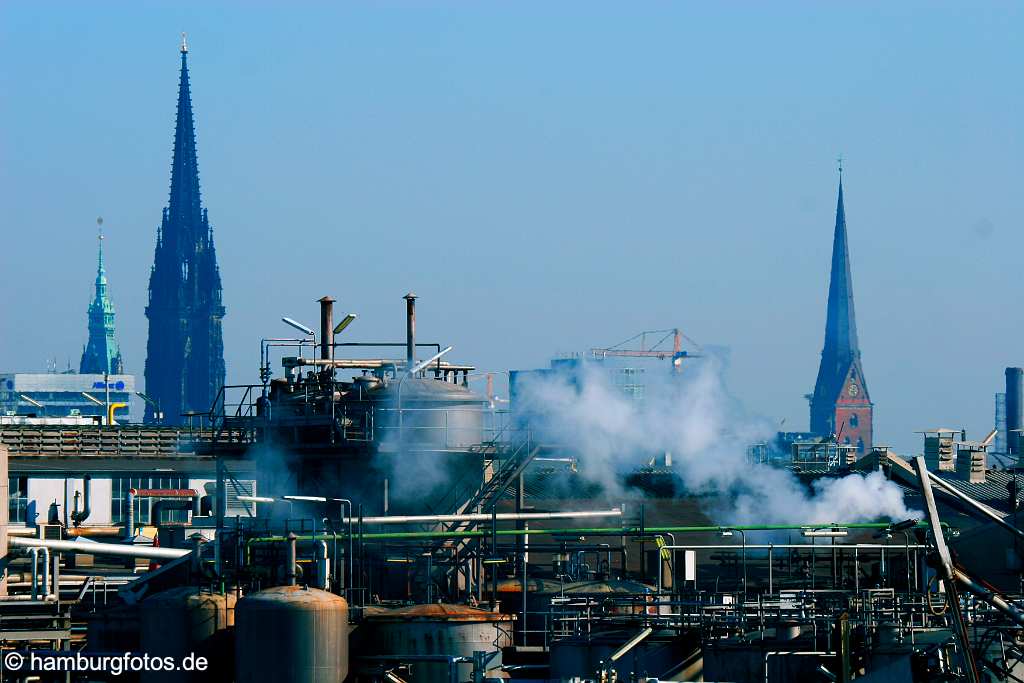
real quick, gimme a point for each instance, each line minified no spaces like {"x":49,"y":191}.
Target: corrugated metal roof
{"x":437,"y":612}
{"x":994,"y":492}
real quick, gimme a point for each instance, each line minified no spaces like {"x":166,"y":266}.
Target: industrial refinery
{"x":416,"y":507}
{"x":361,"y":514}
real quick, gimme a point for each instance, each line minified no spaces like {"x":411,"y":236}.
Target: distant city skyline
{"x":544,"y":185}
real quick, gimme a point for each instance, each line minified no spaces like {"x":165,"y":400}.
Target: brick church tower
{"x":841,"y":404}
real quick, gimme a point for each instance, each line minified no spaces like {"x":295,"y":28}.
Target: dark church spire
{"x":185,"y":352}
{"x":840,"y":404}
{"x":185,"y":201}
{"x":841,"y":323}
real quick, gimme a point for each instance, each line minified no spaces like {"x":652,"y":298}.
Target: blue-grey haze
{"x":547,"y":177}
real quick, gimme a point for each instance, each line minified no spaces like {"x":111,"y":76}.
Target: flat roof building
{"x":57,"y":395}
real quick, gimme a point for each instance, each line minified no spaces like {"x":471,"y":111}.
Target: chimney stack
{"x":410,"y":330}
{"x":1014,"y":410}
{"x":939,"y":450}
{"x":970,"y":463}
{"x":326,"y":327}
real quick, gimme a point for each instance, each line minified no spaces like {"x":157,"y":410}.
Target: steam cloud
{"x":707,"y":434}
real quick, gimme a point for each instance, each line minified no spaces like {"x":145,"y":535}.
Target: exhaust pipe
{"x":1014,"y":410}
{"x":80,"y":516}
{"x":129,"y":519}
{"x":410,"y":330}
{"x":326,"y":327}
{"x":290,"y":559}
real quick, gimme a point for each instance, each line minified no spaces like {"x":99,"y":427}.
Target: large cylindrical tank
{"x":113,"y":630}
{"x":425,"y":411}
{"x":582,"y":656}
{"x":291,"y":634}
{"x":188,"y":620}
{"x":438,"y":629}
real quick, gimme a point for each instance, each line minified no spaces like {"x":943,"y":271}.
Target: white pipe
{"x":631,"y":643}
{"x":100,"y":548}
{"x":34,"y":552}
{"x":484,"y":517}
{"x":474,"y":517}
{"x":45,"y":584}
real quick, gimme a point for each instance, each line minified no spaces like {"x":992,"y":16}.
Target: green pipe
{"x":591,"y":531}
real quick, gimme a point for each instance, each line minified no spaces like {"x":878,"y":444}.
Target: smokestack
{"x":410,"y":330}
{"x":326,"y":327}
{"x":1014,"y":408}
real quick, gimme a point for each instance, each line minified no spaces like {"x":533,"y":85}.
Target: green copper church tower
{"x":101,"y":354}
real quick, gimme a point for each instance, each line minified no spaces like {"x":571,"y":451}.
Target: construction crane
{"x":676,"y":354}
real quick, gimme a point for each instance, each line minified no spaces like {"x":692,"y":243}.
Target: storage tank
{"x":188,"y":620}
{"x":291,"y":634}
{"x":437,"y":629}
{"x":433,"y":412}
{"x":113,"y":630}
{"x":656,"y":656}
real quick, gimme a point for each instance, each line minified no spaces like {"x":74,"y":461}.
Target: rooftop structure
{"x":63,"y":395}
{"x":185,"y":352}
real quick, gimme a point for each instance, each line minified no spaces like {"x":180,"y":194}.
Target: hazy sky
{"x":547,"y":178}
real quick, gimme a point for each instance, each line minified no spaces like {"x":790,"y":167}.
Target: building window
{"x":854,"y":420}
{"x":18,"y":499}
{"x":119,"y":487}
{"x":860,"y":445}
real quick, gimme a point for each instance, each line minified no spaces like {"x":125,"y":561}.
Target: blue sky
{"x":546,"y":177}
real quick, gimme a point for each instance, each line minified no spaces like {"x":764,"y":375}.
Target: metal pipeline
{"x":485,"y":517}
{"x":34,"y":553}
{"x":323,"y":577}
{"x":631,"y":643}
{"x":37,"y":585}
{"x":45,"y":585}
{"x":99,"y":548}
{"x":80,"y":516}
{"x":572,"y":531}
{"x":289,"y":569}
{"x":989,"y":596}
{"x":982,"y":509}
{"x":167,"y":504}
{"x":129,"y":523}
{"x":368,"y":364}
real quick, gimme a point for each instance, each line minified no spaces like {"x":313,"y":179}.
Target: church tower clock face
{"x":853,"y":390}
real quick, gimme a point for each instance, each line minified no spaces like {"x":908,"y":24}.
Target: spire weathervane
{"x":184,"y":43}
{"x":839,"y":160}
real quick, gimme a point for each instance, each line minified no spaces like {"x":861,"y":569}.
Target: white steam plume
{"x":707,"y":432}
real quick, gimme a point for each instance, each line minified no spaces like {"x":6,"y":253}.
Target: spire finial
{"x":184,"y":43}
{"x":100,"y":272}
{"x":839,"y":160}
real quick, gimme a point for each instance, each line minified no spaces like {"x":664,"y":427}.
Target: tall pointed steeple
{"x":185,"y":201}
{"x":841,"y":323}
{"x":185,"y":353}
{"x":101,"y":354}
{"x":840,"y":404}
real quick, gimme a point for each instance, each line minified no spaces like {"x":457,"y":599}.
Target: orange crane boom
{"x":676,"y":354}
